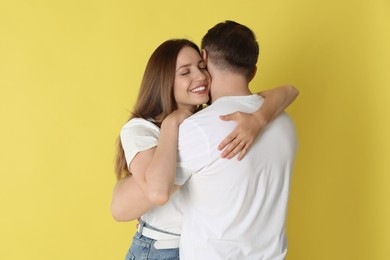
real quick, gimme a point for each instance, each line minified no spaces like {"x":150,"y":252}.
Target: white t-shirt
{"x":139,"y":135}
{"x":234,"y":209}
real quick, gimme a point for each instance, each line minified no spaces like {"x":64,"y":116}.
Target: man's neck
{"x":228,"y":84}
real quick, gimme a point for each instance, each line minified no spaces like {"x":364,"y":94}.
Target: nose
{"x":201,"y":74}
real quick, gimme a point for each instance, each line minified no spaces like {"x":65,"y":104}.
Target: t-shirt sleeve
{"x":137,"y":138}
{"x":193,"y":150}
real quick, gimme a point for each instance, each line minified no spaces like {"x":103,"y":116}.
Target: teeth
{"x":198,"y":89}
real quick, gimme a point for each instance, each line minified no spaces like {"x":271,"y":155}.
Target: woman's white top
{"x":139,"y":135}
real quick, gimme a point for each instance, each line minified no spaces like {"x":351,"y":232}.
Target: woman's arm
{"x":129,"y":202}
{"x":155,"y":169}
{"x":153,"y":173}
{"x":249,"y":126}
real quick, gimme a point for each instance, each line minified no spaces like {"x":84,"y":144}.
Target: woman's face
{"x":192,"y":81}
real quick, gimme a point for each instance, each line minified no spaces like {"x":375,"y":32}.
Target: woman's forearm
{"x":276,"y":100}
{"x":155,"y":170}
{"x":129,"y":202}
{"x":161,"y":172}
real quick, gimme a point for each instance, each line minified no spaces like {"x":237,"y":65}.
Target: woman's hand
{"x":178,"y":116}
{"x":276,"y":100}
{"x":243,"y":136}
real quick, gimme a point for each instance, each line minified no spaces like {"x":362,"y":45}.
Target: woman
{"x":175,"y":84}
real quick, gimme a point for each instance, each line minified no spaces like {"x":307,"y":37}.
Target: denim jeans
{"x":143,"y":248}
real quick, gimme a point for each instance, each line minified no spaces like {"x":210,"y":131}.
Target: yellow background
{"x":69,"y":74}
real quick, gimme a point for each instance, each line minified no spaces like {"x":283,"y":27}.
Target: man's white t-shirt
{"x":234,"y":209}
{"x":139,"y":135}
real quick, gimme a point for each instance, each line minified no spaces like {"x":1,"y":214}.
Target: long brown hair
{"x":155,"y":98}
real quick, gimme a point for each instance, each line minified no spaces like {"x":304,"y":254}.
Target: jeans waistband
{"x":142,"y":223}
{"x":163,"y":239}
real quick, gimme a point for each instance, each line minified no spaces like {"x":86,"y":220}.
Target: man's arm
{"x":249,"y":126}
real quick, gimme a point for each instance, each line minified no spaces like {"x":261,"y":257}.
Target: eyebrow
{"x":187,"y":65}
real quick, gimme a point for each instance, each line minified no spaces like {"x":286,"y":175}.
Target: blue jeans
{"x":143,"y":248}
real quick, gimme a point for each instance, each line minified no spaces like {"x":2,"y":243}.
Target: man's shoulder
{"x":243,"y":102}
{"x":229,"y":104}
{"x":209,"y":116}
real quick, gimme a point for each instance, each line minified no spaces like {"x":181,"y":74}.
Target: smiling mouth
{"x":198,"y":89}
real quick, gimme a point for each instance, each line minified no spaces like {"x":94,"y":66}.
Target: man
{"x":233,"y":209}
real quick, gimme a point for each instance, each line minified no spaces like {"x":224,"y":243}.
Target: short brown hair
{"x":232,"y":46}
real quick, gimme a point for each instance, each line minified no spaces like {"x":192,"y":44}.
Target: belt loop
{"x":140,"y":226}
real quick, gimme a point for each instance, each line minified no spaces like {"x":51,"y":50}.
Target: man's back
{"x":234,"y":209}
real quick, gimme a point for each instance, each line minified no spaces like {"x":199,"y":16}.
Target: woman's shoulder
{"x":140,"y":122}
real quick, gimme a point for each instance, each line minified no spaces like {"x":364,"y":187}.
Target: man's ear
{"x":253,"y":73}
{"x":204,"y":56}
